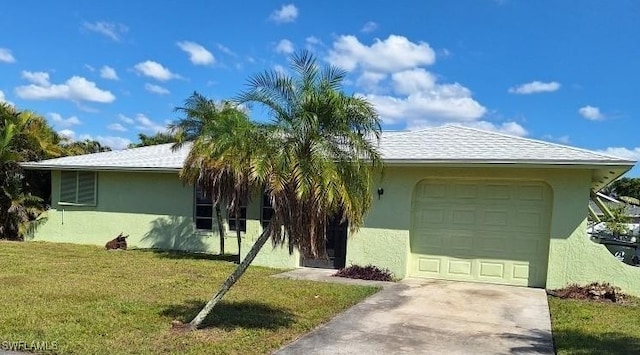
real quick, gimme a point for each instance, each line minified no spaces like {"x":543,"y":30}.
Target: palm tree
{"x":23,"y":136}
{"x":316,"y":158}
{"x":216,"y":130}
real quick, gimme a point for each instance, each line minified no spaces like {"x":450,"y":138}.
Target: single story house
{"x":455,"y":203}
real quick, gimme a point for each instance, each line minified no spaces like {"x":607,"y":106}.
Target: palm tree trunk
{"x":230,"y":281}
{"x":220,"y":228}
{"x":238,"y":236}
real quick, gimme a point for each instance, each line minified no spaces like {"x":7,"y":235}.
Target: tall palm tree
{"x":217,"y":131}
{"x":316,"y":158}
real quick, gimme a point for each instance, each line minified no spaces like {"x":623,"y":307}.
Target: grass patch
{"x":587,"y":327}
{"x":92,"y":301}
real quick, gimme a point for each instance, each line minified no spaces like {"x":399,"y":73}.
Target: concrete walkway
{"x":437,"y":317}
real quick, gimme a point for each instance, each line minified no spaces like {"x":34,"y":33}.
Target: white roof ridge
{"x":539,"y":141}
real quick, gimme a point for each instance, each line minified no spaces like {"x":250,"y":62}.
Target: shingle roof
{"x":462,"y":144}
{"x":155,"y":157}
{"x":445,"y":144}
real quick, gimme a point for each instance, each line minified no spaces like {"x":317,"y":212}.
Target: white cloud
{"x":117,"y":127}
{"x":156,"y":89}
{"x":107,"y":72}
{"x":109,"y":29}
{"x":67,"y":133}
{"x":287,"y":13}
{"x":449,"y":102}
{"x":146,"y":124}
{"x":312,"y":42}
{"x":226,"y":50}
{"x":3,"y":98}
{"x":154,"y":70}
{"x":413,"y":80}
{"x":74,"y":89}
{"x":90,"y":68}
{"x":621,"y":152}
{"x":38,"y":77}
{"x":369,"y":27}
{"x":591,"y":113}
{"x":125,"y":119}
{"x":370,"y":81}
{"x":6,"y":56}
{"x":535,"y":87}
{"x":392,"y":54}
{"x":285,"y":46}
{"x":198,"y":55}
{"x":391,"y":74}
{"x":60,"y":121}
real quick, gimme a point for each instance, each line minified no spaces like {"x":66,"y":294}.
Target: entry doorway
{"x":336,"y":244}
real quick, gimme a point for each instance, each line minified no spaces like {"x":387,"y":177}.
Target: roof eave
{"x":581,"y":163}
{"x":32,"y":166}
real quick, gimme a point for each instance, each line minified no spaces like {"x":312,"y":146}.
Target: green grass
{"x":92,"y":301}
{"x":583,"y":327}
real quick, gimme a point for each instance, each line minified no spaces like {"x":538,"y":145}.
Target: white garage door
{"x":484,"y":231}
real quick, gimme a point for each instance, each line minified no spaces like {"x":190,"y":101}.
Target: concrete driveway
{"x":437,"y":317}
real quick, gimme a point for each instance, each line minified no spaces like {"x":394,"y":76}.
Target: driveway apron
{"x":437,"y":317}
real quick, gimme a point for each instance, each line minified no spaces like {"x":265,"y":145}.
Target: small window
{"x":78,"y":188}
{"x":241,"y":222}
{"x":203,"y":210}
{"x":267,"y":211}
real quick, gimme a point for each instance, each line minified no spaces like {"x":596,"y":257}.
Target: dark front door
{"x":336,"y":247}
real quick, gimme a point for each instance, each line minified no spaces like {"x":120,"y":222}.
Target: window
{"x":267,"y":211}
{"x":241,"y":221}
{"x":78,"y":188}
{"x":203,"y":210}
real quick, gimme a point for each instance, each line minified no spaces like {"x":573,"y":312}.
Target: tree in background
{"x":158,"y":138}
{"x":24,"y":136}
{"x":629,"y":187}
{"x":314,"y":160}
{"x":86,"y":146}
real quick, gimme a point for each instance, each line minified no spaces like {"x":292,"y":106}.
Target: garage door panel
{"x":492,"y":269}
{"x":481,"y":231}
{"x":462,"y":216}
{"x":459,"y":267}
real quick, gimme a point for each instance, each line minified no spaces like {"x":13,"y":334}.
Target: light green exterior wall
{"x":154,"y":209}
{"x":573,"y":258}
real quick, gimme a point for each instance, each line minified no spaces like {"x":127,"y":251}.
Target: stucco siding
{"x":154,"y":209}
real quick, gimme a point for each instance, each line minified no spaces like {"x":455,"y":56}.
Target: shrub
{"x":368,"y":272}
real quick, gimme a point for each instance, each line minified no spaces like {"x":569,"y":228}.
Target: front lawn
{"x":92,"y":301}
{"x":584,"y":327}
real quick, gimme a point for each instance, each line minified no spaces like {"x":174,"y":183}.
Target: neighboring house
{"x":454,"y":203}
{"x":632,"y":211}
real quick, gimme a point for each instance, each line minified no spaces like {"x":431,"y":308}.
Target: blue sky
{"x":561,"y":71}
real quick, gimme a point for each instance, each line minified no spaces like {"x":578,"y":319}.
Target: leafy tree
{"x":616,"y":224}
{"x":158,"y":138}
{"x":214,"y":127}
{"x":86,"y":146}
{"x":315,"y":159}
{"x":24,"y":136}
{"x":626,"y":187}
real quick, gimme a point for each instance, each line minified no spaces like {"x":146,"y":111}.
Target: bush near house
{"x":368,"y":272}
